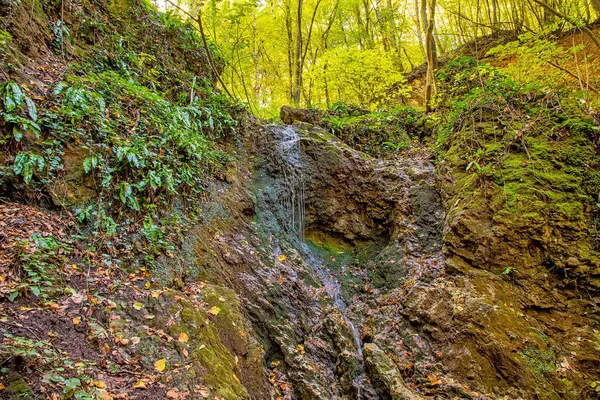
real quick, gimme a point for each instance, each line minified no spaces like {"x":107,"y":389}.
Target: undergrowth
{"x":380,"y":133}
{"x":126,"y":141}
{"x":539,"y":146}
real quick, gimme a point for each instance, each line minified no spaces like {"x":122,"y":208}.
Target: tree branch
{"x":211,"y":62}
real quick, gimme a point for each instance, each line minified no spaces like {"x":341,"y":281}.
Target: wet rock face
{"x":414,"y":269}
{"x":304,"y":299}
{"x":350,"y":195}
{"x":386,"y":376}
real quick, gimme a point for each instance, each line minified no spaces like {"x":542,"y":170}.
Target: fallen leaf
{"x":214,"y":311}
{"x":185,"y":353}
{"x":2,"y":387}
{"x":135,"y":340}
{"x":160,"y":364}
{"x":76,"y":321}
{"x":173,"y":394}
{"x":77,"y":298}
{"x":138,"y":305}
{"x":222,"y":299}
{"x":99,"y":384}
{"x":147,"y":285}
{"x":183,"y":337}
{"x":140,"y":385}
{"x":282,"y":257}
{"x":103,"y":394}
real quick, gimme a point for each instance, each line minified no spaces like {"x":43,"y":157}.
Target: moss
{"x":542,"y":360}
{"x":219,"y":345}
{"x":339,"y":256}
{"x":18,"y":387}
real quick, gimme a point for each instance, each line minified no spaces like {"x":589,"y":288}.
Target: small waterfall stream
{"x":292,"y":200}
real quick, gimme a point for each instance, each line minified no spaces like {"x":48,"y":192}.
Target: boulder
{"x":385,"y":376}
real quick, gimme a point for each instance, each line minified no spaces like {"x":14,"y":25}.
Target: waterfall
{"x":291,"y":197}
{"x":292,"y":200}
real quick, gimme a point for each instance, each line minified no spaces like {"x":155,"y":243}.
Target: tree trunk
{"x":430,"y":88}
{"x":298,"y":58}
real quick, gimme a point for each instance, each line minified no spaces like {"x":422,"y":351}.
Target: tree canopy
{"x":315,"y":52}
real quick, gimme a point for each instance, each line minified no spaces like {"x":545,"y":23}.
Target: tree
{"x":430,"y":49}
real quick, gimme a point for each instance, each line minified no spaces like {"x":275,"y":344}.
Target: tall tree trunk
{"x":290,"y":47}
{"x":430,"y":88}
{"x":419,"y":24}
{"x":298,"y":58}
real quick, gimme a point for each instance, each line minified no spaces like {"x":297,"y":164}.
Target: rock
{"x":289,"y":115}
{"x":385,"y":376}
{"x":347,"y":369}
{"x":572,"y":262}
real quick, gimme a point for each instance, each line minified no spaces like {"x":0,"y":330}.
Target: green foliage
{"x":27,"y":348}
{"x":38,"y":261}
{"x":18,"y":112}
{"x":142,"y":149}
{"x":539,"y":57}
{"x":535,"y":145}
{"x":380,"y":132}
{"x":369,"y":77}
{"x":542,"y":360}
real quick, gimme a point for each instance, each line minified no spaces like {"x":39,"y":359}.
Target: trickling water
{"x":292,"y":199}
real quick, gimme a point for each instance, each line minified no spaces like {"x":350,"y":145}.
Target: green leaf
{"x":36,"y":290}
{"x":13,"y":96}
{"x":31,"y":108}
{"x":25,"y":162}
{"x":13,"y":295}
{"x":17,"y":133}
{"x":90,"y":163}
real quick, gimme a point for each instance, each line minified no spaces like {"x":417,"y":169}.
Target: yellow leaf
{"x":282,"y":257}
{"x":147,"y":285}
{"x":99,"y":384}
{"x":160,"y":364}
{"x":76,"y":321}
{"x":300,"y":348}
{"x":214,"y":311}
{"x":156,"y":293}
{"x":140,"y":385}
{"x":2,"y":387}
{"x":138,"y":305}
{"x":183,"y":337}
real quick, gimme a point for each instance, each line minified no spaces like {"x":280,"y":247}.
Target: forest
{"x":317,"y":53}
{"x":300,"y":199}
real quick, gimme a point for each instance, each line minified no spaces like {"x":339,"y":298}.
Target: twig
{"x":21,"y":327}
